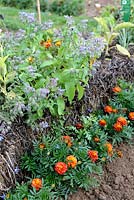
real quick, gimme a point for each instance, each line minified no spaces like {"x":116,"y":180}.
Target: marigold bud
{"x":96,"y":139}
{"x":131,"y":115}
{"x":108,"y":109}
{"x":79,"y":126}
{"x":109,"y":148}
{"x":116,"y":89}
{"x":102,"y":122}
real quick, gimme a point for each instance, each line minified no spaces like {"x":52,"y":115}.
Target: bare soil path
{"x":117,"y":182}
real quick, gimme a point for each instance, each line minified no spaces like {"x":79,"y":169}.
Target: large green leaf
{"x":61,"y":105}
{"x":70,"y":90}
{"x":47,"y":63}
{"x":80,"y":90}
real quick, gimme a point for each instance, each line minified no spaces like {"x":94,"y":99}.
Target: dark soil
{"x":117,"y":182}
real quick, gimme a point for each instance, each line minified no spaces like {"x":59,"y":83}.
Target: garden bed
{"x":66,"y":108}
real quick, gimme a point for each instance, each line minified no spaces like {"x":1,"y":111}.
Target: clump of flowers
{"x":122,"y":121}
{"x":71,"y":161}
{"x":60,"y":168}
{"x":36,"y":183}
{"x":93,"y":155}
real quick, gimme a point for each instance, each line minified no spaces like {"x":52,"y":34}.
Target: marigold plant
{"x":108,"y":109}
{"x":60,"y":168}
{"x":102,"y":122}
{"x":122,"y":121}
{"x":93,"y":155}
{"x":117,"y":127}
{"x":109,"y":148}
{"x":36,"y":183}
{"x":71,"y":161}
{"x":131,"y":115}
{"x":67,"y":140}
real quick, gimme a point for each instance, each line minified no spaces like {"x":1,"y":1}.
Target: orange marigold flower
{"x":60,"y":168}
{"x":109,"y":148}
{"x":93,"y":155}
{"x":36,"y":183}
{"x":117,"y":127}
{"x":71,"y":161}
{"x":120,"y":154}
{"x":66,"y":138}
{"x":47,"y":44}
{"x":41,"y":145}
{"x":25,"y":198}
{"x":58,"y":43}
{"x":102,"y":122}
{"x":116,"y":89}
{"x":108,"y":109}
{"x":79,"y":126}
{"x":115,"y":110}
{"x":122,"y":121}
{"x":96,"y":139}
{"x":131,"y":115}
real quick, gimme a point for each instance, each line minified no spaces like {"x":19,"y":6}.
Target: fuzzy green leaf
{"x":80,"y":90}
{"x":70,"y":90}
{"x":61,"y":105}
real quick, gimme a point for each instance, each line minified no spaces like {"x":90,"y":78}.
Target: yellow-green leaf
{"x":124,"y":25}
{"x":123,"y":50}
